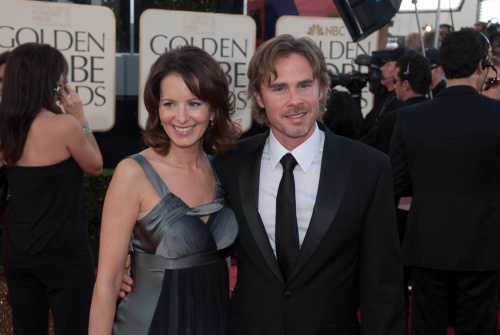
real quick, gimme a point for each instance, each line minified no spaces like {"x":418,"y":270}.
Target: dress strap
{"x":190,"y":261}
{"x":153,"y":177}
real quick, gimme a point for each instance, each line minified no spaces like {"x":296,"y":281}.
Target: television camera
{"x":355,"y":81}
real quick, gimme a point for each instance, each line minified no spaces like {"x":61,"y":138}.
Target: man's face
{"x":398,"y":85}
{"x":291,"y":100}
{"x":388,"y":70}
{"x":491,"y":87}
{"x":437,"y":74}
{"x":443,"y":32}
{"x":495,"y":46}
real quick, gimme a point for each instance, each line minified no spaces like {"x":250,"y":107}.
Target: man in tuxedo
{"x":445,"y":152}
{"x":346,"y":249}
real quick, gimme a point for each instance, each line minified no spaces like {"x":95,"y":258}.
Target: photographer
{"x":386,"y":100}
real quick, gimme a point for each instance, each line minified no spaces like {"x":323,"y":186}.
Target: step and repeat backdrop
{"x":86,"y":36}
{"x":229,"y":38}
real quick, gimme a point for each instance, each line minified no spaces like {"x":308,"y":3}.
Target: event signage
{"x":229,"y":38}
{"x":334,"y":40}
{"x":84,"y":34}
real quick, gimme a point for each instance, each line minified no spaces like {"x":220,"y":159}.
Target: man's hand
{"x":127,"y":281}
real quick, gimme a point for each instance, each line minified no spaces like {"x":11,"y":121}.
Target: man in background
{"x":438,"y":82}
{"x":413,"y":41}
{"x":386,"y":100}
{"x":444,"y":153}
{"x":491,"y":85}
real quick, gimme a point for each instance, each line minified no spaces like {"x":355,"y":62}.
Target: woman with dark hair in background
{"x":167,"y":206}
{"x":3,"y":60}
{"x":46,"y":149}
{"x":342,"y":115}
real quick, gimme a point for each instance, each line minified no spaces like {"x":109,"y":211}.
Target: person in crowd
{"x":301,"y":267}
{"x":167,"y":202}
{"x":480,"y":26}
{"x":438,"y":81}
{"x":412,"y":84}
{"x":3,"y":60}
{"x":494,"y":37}
{"x":5,"y":309}
{"x":413,"y":41}
{"x":342,"y":115}
{"x":491,"y":85}
{"x":412,"y":80}
{"x":444,"y":153}
{"x":385,"y":100}
{"x":429,"y":37}
{"x":390,"y":103}
{"x":445,"y":29}
{"x":46,"y":149}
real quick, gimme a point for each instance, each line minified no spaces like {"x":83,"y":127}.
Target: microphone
{"x":494,"y":69}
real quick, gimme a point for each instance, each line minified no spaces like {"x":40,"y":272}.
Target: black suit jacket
{"x":381,"y":133}
{"x":446,"y":152}
{"x":351,"y":246}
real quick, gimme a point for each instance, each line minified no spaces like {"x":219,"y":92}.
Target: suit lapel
{"x":335,"y":168}
{"x":248,"y":179}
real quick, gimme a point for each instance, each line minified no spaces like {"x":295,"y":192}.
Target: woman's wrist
{"x":86,"y":128}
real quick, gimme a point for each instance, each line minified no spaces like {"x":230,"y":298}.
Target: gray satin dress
{"x":181,"y":279}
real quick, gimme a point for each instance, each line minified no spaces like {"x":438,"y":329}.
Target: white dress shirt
{"x":306,"y":175}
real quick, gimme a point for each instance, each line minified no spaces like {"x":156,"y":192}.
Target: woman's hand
{"x":72,"y":104}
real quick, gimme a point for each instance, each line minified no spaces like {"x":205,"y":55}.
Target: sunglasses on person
{"x":491,"y":82}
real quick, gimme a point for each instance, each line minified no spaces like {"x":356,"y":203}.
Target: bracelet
{"x":86,"y":128}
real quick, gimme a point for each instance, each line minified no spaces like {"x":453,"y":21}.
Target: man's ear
{"x":259,"y":99}
{"x":406,"y":85}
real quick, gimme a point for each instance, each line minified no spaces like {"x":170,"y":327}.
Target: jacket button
{"x":287,"y":294}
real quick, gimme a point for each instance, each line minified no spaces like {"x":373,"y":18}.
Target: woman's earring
{"x":212,"y":122}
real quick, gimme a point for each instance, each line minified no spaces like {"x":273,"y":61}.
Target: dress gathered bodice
{"x":181,"y":283}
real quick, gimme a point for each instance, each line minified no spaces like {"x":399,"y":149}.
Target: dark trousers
{"x":475,"y":301}
{"x":66,"y":290}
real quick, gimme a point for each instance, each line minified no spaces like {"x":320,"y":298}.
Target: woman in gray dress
{"x":165,"y":204}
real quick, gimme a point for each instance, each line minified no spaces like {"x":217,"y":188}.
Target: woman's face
{"x":184,"y":116}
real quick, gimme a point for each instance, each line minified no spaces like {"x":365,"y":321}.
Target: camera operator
{"x":411,"y":80}
{"x":385,"y":100}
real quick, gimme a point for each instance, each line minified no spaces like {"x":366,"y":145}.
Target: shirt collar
{"x":304,"y":153}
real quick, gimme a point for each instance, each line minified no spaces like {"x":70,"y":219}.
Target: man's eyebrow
{"x":281,"y":84}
